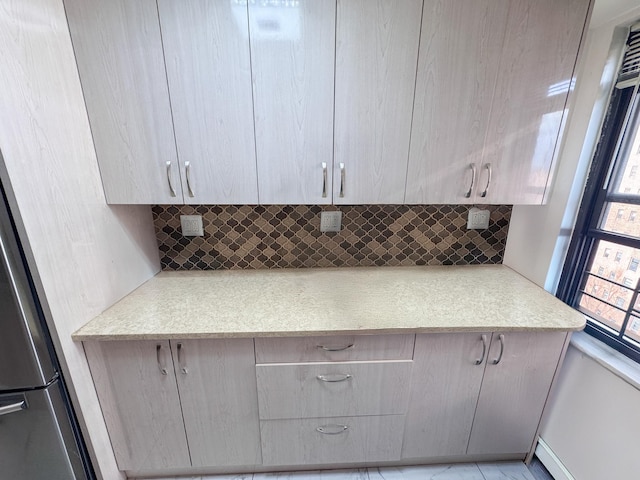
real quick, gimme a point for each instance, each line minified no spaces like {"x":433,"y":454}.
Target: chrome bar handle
{"x":161,"y":367}
{"x":472,"y":167}
{"x":342,"y":177}
{"x":487,"y":166}
{"x":334,"y":429}
{"x":13,"y":408}
{"x":484,"y":350}
{"x":324,"y":179}
{"x":181,"y":364}
{"x":334,"y":377}
{"x":171,"y":189}
{"x":187,"y":169}
{"x":497,"y":360}
{"x":328,"y":348}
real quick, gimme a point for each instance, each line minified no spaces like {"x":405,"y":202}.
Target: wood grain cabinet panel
{"x":376,"y":51}
{"x":444,"y":393}
{"x":206,"y":47}
{"x":514,"y":391}
{"x":118,"y":49}
{"x":136,"y":385}
{"x":217,"y":385}
{"x":333,"y":389}
{"x":292,"y":62}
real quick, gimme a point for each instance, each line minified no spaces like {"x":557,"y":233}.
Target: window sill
{"x":621,"y":366}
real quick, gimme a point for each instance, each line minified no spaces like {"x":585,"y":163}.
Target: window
{"x":603,"y":225}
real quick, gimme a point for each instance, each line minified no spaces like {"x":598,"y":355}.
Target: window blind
{"x":630,"y":69}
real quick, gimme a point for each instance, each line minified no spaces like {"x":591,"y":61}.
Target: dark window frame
{"x":587,"y":232}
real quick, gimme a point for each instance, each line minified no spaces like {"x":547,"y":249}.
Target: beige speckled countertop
{"x":251,"y":303}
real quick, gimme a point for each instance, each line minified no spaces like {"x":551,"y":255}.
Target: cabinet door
{"x":292,"y":61}
{"x":444,"y":393}
{"x":119,"y":53}
{"x":459,"y":57}
{"x":206,"y":45}
{"x":514,"y":391}
{"x":136,"y":385}
{"x":376,"y":52}
{"x":536,"y":73}
{"x":217,"y":384}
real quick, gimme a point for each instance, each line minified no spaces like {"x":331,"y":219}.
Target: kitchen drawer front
{"x":346,"y":440}
{"x":339,"y":348}
{"x":333,"y":389}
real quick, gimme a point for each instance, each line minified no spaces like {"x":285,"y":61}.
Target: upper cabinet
{"x":118,"y":48}
{"x":376,"y":50}
{"x":327,"y":101}
{"x":493,"y":80}
{"x":292,"y":60}
{"x":206,"y":48}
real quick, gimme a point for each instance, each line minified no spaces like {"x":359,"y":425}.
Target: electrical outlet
{"x":191,"y":225}
{"x":478,"y":219}
{"x":330,"y":221}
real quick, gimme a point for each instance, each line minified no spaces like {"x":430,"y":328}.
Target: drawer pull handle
{"x":334,"y":377}
{"x":497,"y":360}
{"x":484,"y":350}
{"x":328,"y":348}
{"x":332,"y":429}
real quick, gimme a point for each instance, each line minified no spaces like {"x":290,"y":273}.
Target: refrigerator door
{"x":36,"y":440}
{"x":25,"y":360}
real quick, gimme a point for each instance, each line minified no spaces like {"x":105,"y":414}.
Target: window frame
{"x":587,"y":231}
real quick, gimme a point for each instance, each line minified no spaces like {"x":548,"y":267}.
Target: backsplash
{"x":288,"y":236}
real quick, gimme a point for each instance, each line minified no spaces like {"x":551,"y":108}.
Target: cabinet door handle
{"x":187,"y":169}
{"x":342,"y":177}
{"x":334,"y":429}
{"x":487,"y":166}
{"x":171,"y":189}
{"x":334,"y":377}
{"x":324,"y":180}
{"x":13,"y":407}
{"x":472,"y":167}
{"x":497,"y":360}
{"x":161,"y":366}
{"x":484,"y":349}
{"x":329,"y":348}
{"x":181,"y":364}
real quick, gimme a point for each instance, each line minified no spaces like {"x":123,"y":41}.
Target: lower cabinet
{"x":479,"y":393}
{"x":178,"y":404}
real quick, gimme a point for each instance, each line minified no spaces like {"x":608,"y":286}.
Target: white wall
{"x":586,"y":427}
{"x":87,"y":254}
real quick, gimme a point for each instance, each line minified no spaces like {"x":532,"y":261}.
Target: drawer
{"x":345,"y":440}
{"x":340,"y":348}
{"x":333,"y":389}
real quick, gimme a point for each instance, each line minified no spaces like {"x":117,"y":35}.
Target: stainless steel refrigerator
{"x":39,"y":436}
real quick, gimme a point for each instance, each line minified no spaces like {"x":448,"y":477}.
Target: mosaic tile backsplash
{"x":288,"y":236}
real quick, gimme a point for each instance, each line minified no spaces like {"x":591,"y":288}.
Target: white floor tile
{"x":315,"y":475}
{"x":505,"y":471}
{"x":428,"y":472}
{"x":239,"y":476}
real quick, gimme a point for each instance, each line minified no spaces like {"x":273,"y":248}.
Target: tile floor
{"x":471,"y":471}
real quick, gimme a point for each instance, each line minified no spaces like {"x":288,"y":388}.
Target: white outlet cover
{"x":330,"y":221}
{"x":478,"y":219}
{"x":191,"y":225}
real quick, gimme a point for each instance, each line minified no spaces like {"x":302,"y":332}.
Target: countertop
{"x":361,"y":300}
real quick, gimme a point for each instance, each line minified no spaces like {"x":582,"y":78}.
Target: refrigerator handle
{"x":12,"y":408}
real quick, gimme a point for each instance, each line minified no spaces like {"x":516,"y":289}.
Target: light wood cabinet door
{"x":217,"y":384}
{"x":514,"y":391}
{"x":376,"y":51}
{"x":120,"y":60}
{"x":136,"y":385}
{"x":444,"y":393}
{"x":292,"y":63}
{"x":460,"y":49}
{"x":206,"y":47}
{"x":535,"y":75}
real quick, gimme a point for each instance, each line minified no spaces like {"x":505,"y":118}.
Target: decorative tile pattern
{"x":288,"y":236}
